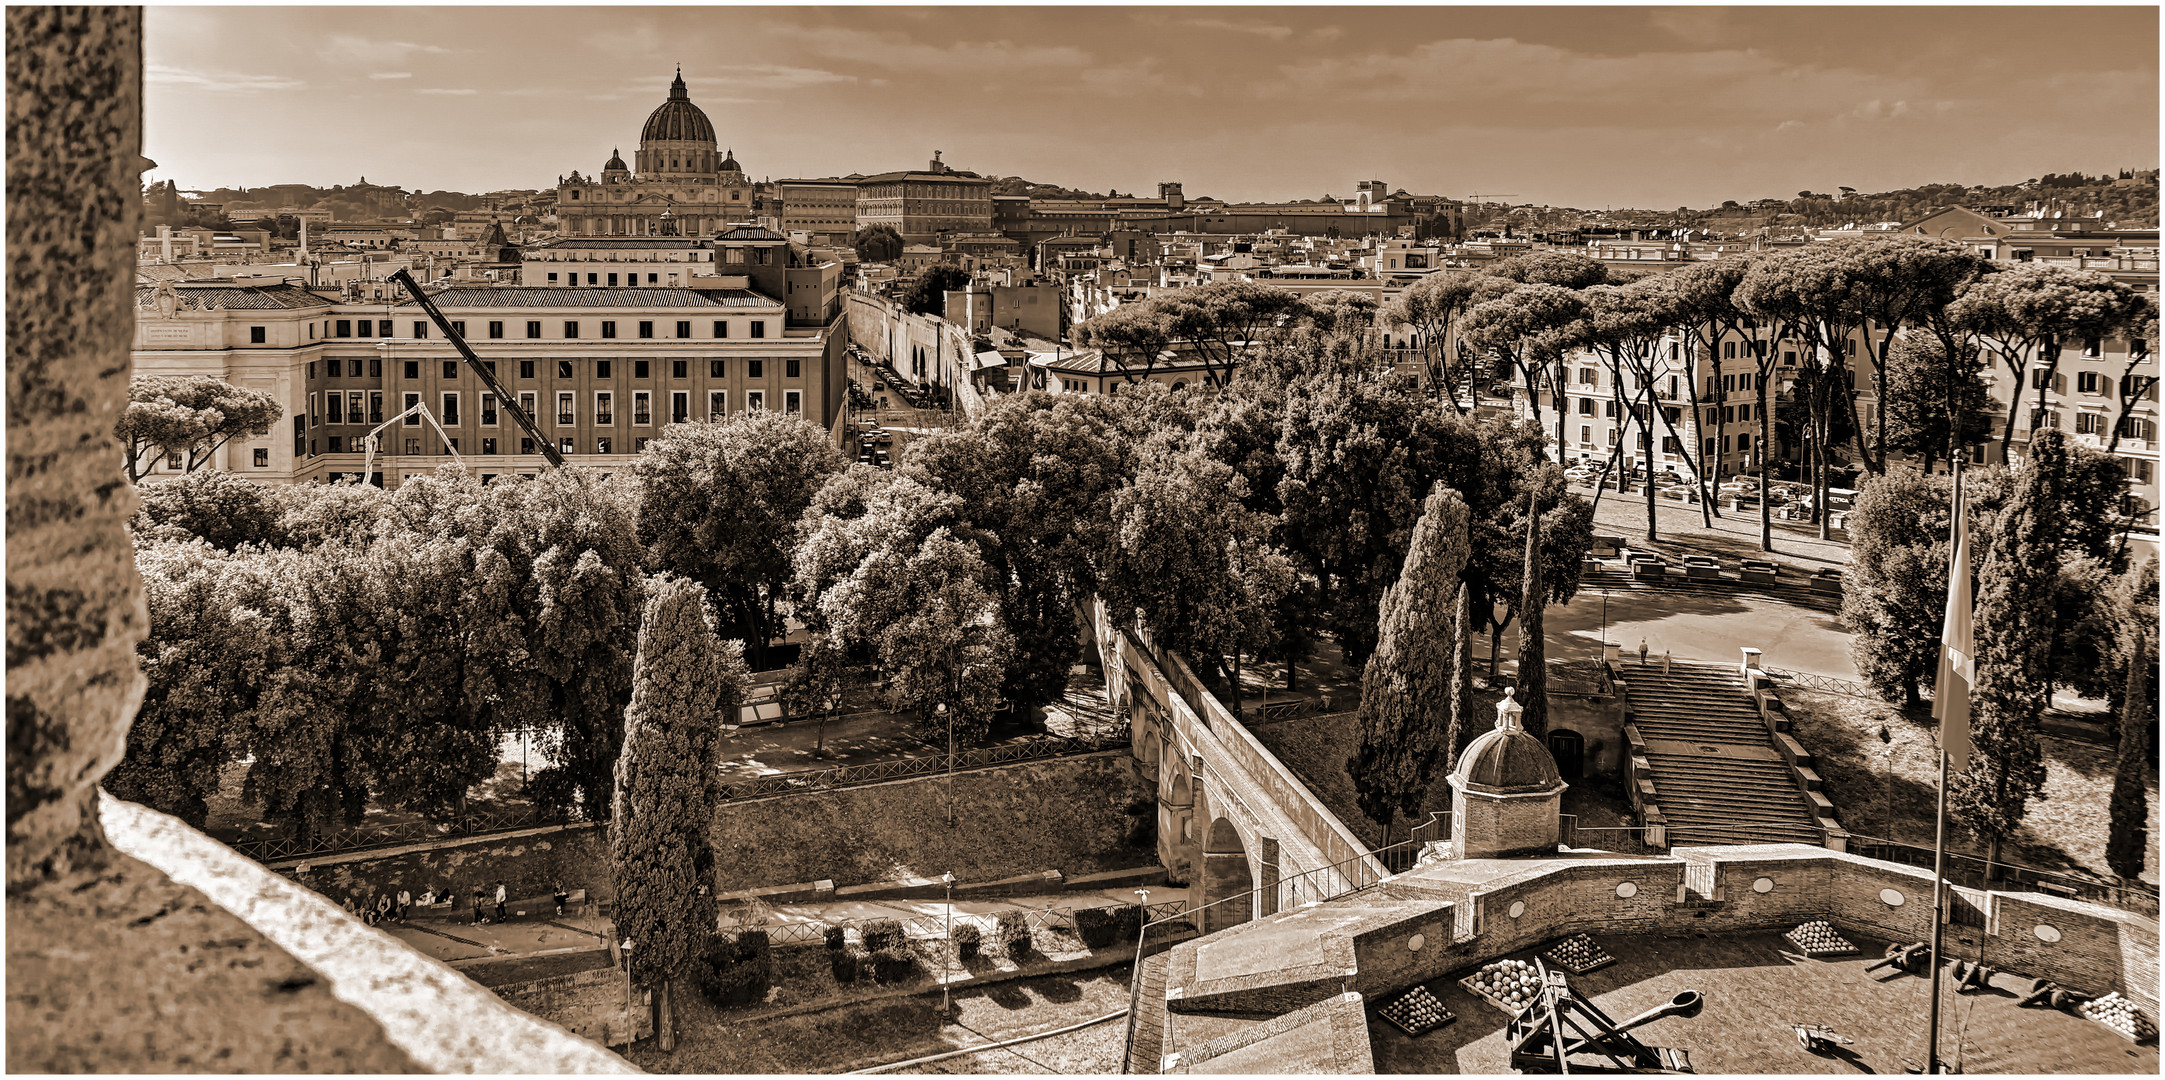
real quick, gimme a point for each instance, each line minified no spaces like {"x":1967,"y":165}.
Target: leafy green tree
{"x":1193,"y":565}
{"x":1434,"y":306}
{"x":1224,"y":322}
{"x":2031,"y":313}
{"x":1897,"y":281}
{"x":1922,"y":386}
{"x":1563,"y":269}
{"x":203,"y":660}
{"x":1408,"y":690}
{"x":879,"y":243}
{"x":223,"y":509}
{"x":311,"y":515}
{"x":2014,"y":628}
{"x":1133,"y":336}
{"x":719,"y":502}
{"x":1343,"y":311}
{"x":1894,"y":592}
{"x":190,"y":416}
{"x":1524,"y":330}
{"x":2135,"y":655}
{"x":1357,"y":454}
{"x":666,"y":788}
{"x":928,"y":294}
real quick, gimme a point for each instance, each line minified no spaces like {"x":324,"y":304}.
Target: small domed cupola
{"x":1506,"y":794}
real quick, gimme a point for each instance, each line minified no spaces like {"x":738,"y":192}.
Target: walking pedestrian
{"x":500,"y":896}
{"x":1642,"y":652}
{"x":405,"y":903}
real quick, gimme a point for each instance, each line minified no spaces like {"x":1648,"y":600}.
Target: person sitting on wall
{"x":428,"y":896}
{"x":350,"y":910}
{"x":383,"y":908}
{"x":561,"y":897}
{"x":404,"y":904}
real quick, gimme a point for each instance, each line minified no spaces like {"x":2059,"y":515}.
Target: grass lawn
{"x":1885,"y":789}
{"x":855,"y":1036}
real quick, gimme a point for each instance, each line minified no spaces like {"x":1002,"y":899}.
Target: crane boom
{"x":488,"y":378}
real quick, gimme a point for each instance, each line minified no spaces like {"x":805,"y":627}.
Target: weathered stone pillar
{"x":75,"y":605}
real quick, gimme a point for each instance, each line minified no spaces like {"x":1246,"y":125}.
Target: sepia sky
{"x":1580,"y":106}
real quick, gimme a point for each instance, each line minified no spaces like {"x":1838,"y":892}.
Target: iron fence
{"x":362,"y":838}
{"x":1971,"y":872}
{"x":1827,"y":684}
{"x":875,"y":772}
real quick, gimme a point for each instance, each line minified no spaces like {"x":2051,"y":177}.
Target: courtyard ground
{"x":1735,"y":534}
{"x":1755,"y":986}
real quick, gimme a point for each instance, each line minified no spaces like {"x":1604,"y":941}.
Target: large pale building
{"x":683,"y":184}
{"x":922,"y":205}
{"x":826,"y":210}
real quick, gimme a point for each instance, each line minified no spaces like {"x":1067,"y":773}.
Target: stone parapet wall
{"x":1712,"y":890}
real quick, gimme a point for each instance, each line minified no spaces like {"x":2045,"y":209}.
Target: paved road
{"x":1735,"y":534}
{"x":1696,"y":626}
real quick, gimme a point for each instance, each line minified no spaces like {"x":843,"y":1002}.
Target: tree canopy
{"x":189,"y":416}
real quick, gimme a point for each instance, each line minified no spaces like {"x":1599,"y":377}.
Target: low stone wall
{"x":1067,"y":814}
{"x":593,"y":1004}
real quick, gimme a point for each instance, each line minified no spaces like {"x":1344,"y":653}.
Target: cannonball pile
{"x":1817,"y":938}
{"x":1580,"y":954}
{"x":1513,"y":984}
{"x":2119,"y":1014}
{"x":1417,"y":1011}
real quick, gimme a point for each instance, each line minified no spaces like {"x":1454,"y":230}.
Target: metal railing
{"x":363,"y":837}
{"x":876,"y":772}
{"x":1972,"y":872}
{"x":1828,"y":684}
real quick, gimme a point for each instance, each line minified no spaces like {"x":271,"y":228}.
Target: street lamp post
{"x":950,"y":718}
{"x":632,"y":1034}
{"x":947,"y":879}
{"x":1142,"y":924}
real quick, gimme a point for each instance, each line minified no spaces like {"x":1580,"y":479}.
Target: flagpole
{"x":1955,"y":565}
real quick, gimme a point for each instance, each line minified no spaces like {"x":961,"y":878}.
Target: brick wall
{"x":591,"y":1004}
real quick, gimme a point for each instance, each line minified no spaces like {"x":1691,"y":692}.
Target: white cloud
{"x":379,"y":75}
{"x":369,"y":52}
{"x":1272,"y":31}
{"x":159,"y":75}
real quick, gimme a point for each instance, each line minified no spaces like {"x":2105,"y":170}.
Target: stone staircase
{"x":1703,"y":757}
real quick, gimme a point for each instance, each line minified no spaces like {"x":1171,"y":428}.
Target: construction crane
{"x":369,"y":441}
{"x":504,"y":399}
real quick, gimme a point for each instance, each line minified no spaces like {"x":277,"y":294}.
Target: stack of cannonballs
{"x":2121,"y":1015}
{"x":1417,"y":1012}
{"x":1579,"y":955}
{"x":1510,"y":985}
{"x":1817,"y":938}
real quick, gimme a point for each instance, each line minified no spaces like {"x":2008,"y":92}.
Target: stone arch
{"x":1227,"y":882}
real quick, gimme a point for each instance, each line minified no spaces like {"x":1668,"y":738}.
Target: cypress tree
{"x":2126,"y":842}
{"x":2015,"y":622}
{"x":666,"y":787}
{"x":1407,"y":688}
{"x":1533,"y":677}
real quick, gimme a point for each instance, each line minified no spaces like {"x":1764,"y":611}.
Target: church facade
{"x":683,"y":185}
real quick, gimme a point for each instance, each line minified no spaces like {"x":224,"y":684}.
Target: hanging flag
{"x":1957,"y":653}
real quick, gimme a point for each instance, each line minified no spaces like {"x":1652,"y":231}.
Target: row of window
{"x":383,"y":328}
{"x":348,"y":407}
{"x":754,"y":368}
